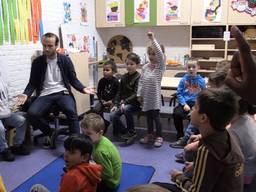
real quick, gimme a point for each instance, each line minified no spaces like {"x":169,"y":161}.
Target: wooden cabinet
{"x":172,"y":14}
{"x":141,"y":10}
{"x":207,"y":45}
{"x":212,"y":12}
{"x":80,"y":61}
{"x":240,"y":13}
{"x":111,"y":15}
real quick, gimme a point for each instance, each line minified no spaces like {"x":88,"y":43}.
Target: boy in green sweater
{"x":104,"y":152}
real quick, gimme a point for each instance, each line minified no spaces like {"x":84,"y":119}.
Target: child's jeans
{"x":191,"y":130}
{"x":128,"y":112}
{"x":16,"y":120}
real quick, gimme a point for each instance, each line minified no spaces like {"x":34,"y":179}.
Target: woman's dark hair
{"x":112,"y":63}
{"x":134,"y":57}
{"x":80,"y":142}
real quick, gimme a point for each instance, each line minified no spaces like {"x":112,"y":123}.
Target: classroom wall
{"x":17,"y":59}
{"x":174,"y":38}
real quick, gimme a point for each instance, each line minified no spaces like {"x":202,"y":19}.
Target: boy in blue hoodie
{"x":189,"y":87}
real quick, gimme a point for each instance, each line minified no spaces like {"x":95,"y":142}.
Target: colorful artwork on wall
{"x":73,"y":37}
{"x":247,"y":6}
{"x":172,"y":10}
{"x":141,"y":11}
{"x":20,"y":21}
{"x":83,"y":13}
{"x":67,"y":11}
{"x":112,"y":11}
{"x":212,"y":10}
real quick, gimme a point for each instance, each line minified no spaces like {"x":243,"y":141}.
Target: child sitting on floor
{"x":104,"y":153}
{"x":80,"y":174}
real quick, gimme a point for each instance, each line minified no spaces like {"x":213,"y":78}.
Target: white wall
{"x":17,"y":57}
{"x":175,"y":39}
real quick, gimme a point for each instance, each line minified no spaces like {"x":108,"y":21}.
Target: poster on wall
{"x":247,"y":6}
{"x":212,"y":10}
{"x":67,"y":11}
{"x":141,"y":11}
{"x":112,"y":11}
{"x":172,"y":10}
{"x":83,"y":13}
{"x":74,"y":39}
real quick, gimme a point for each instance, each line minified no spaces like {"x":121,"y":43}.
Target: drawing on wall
{"x":20,"y":22}
{"x":83,"y":13}
{"x":67,"y":12}
{"x":212,"y":11}
{"x":172,"y":10}
{"x":247,"y":6}
{"x":141,"y":11}
{"x":112,"y":11}
{"x":73,"y":37}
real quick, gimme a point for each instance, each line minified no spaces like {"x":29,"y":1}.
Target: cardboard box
{"x":203,"y":47}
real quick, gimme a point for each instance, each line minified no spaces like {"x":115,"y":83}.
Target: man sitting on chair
{"x":50,"y":77}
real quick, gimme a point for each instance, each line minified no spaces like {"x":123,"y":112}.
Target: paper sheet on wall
{"x":112,"y":11}
{"x":212,"y":11}
{"x":141,"y":11}
{"x":172,"y":9}
{"x":83,"y":12}
{"x":74,"y":38}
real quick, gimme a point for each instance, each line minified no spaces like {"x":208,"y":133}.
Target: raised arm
{"x":242,"y":76}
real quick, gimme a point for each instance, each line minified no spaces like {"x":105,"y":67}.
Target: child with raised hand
{"x":188,"y":89}
{"x":126,"y":102}
{"x":149,"y":90}
{"x":107,"y":90}
{"x":104,"y":152}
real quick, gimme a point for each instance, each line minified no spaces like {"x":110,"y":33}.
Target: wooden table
{"x":170,"y":83}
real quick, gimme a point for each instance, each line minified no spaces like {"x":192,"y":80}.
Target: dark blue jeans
{"x":191,"y":130}
{"x":128,"y":112}
{"x":40,"y":108}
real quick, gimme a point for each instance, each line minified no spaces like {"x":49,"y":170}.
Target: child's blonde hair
{"x":93,"y":121}
{"x":193,"y":60}
{"x":151,"y":49}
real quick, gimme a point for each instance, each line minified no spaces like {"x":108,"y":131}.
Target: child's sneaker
{"x":147,"y":139}
{"x":20,"y":150}
{"x":158,"y":142}
{"x":130,"y":137}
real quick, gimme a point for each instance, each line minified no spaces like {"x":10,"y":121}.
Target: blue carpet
{"x":50,"y":176}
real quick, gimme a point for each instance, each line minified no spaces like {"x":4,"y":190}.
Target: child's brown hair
{"x":134,"y":57}
{"x":93,"y":121}
{"x":219,"y":104}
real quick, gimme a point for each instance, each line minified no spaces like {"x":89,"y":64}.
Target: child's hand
{"x":140,"y":99}
{"x":89,"y":90}
{"x":150,"y":35}
{"x":186,"y":107}
{"x":113,"y":109}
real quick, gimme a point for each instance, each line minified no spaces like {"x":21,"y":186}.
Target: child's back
{"x":83,"y":177}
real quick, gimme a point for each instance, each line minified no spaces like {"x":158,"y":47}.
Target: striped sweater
{"x":150,"y":81}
